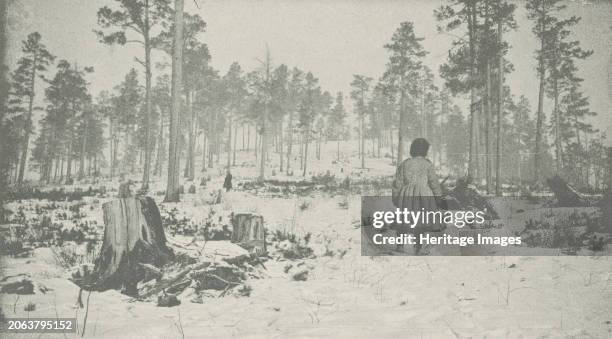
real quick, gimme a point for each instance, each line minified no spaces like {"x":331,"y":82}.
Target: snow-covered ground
{"x":346,"y":295}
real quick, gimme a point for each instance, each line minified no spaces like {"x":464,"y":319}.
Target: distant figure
{"x":416,"y":187}
{"x":227,"y":183}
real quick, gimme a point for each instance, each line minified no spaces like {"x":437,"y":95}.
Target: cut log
{"x":248,"y":232}
{"x":133,"y":235}
{"x":171,"y":281}
{"x":566,"y":195}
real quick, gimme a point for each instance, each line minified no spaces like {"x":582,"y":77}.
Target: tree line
{"x":276,"y":111}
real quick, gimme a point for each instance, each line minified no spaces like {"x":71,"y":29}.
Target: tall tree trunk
{"x":235,"y":140}
{"x":280,"y":135}
{"x":262,"y":164}
{"x":306,"y":141}
{"x":211,"y":139}
{"x":474,"y":116}
{"x":256,"y":147}
{"x":217,"y":147}
{"x":380,"y":141}
{"x":192,"y":135}
{"x":488,"y":118}
{"x":160,"y":146}
{"x":111,"y":132}
{"x":402,"y":127}
{"x":289,"y":140}
{"x":423,"y":132}
{"x":58,"y":162}
{"x":301,"y":143}
{"x":362,"y":123}
{"x":540,"y":113}
{"x":83,"y":150}
{"x":172,"y":188}
{"x":204,"y":147}
{"x":558,"y":164}
{"x":500,"y":108}
{"x":147,"y":146}
{"x":71,"y":139}
{"x":115,"y":152}
{"x":28,"y":123}
{"x":62,"y":164}
{"x":4,"y":86}
{"x":264,"y":125}
{"x":69,"y":157}
{"x":229,"y":141}
{"x":319,"y":146}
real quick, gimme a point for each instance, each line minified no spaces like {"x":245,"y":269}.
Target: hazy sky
{"x":334,"y":39}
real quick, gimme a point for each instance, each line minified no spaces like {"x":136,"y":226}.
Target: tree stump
{"x":566,"y":195}
{"x":133,"y":235}
{"x":248,"y":231}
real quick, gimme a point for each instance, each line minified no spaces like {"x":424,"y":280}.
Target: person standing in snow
{"x":416,"y":188}
{"x":227,"y":183}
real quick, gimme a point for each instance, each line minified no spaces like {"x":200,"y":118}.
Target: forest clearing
{"x":305,"y":288}
{"x":162,"y":177}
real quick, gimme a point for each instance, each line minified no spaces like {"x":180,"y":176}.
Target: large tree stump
{"x":133,"y":235}
{"x":248,"y":231}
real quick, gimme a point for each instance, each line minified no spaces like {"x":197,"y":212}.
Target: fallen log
{"x":133,"y":235}
{"x":171,"y":281}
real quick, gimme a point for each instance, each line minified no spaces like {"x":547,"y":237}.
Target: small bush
{"x":291,"y":246}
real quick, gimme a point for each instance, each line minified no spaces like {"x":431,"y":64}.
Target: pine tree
{"x":461,"y":70}
{"x":196,"y":58}
{"x":337,"y":122}
{"x":124,"y":120}
{"x":562,"y":71}
{"x":236,"y":91}
{"x":307,"y":112}
{"x":172,"y":187}
{"x":295,"y":94}
{"x":541,"y":13}
{"x":6,"y":139}
{"x":68,"y":99}
{"x":35,"y":60}
{"x":280,"y":104}
{"x":405,"y":62}
{"x":135,"y":17}
{"x":360,"y":95}
{"x":162,"y":101}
